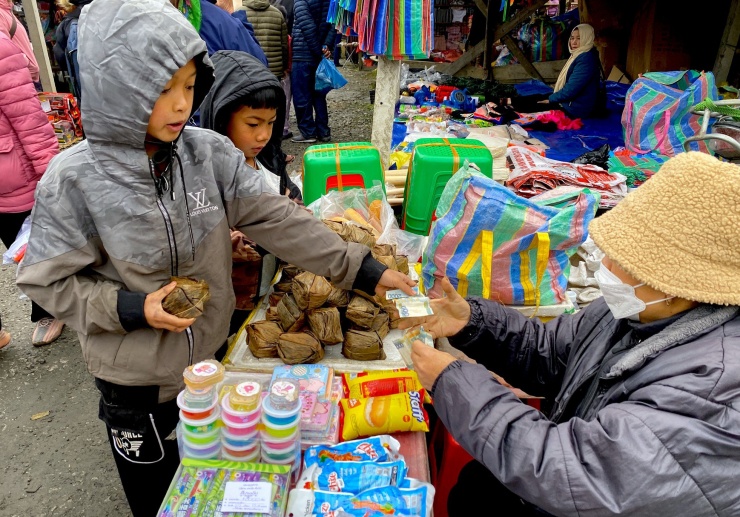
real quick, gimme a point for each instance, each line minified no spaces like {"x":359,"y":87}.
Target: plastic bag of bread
{"x":384,"y":415}
{"x":300,"y":348}
{"x":310,"y":291}
{"x":188,"y":298}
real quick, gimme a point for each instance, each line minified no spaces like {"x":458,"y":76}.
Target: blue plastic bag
{"x":328,"y":77}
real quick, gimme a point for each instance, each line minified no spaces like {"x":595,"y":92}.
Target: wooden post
{"x":482,"y":7}
{"x":728,"y":44}
{"x":386,"y":94}
{"x":523,"y":60}
{"x":36,"y":33}
{"x":495,"y":33}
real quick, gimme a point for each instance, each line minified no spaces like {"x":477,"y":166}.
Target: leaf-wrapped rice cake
{"x":402,"y":264}
{"x":338,"y":298}
{"x":310,"y":291}
{"x":326,"y":325}
{"x":300,"y":348}
{"x":263,"y":338}
{"x":291,"y":317}
{"x":188,"y":298}
{"x":384,"y":250}
{"x":363,"y":345}
{"x":381,"y":324}
{"x":362,"y":312}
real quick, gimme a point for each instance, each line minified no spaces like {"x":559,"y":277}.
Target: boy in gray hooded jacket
{"x":145,"y":198}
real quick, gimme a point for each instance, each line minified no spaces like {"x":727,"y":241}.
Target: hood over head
{"x":239,"y":75}
{"x":128,"y":51}
{"x":257,"y":5}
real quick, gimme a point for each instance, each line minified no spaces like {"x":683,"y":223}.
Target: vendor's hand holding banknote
{"x":394,"y":280}
{"x":451,"y":314}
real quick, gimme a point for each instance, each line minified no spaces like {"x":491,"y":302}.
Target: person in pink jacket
{"x":12,"y":28}
{"x":27,"y":143}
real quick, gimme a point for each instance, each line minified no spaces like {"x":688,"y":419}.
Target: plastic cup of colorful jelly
{"x":199,"y":398}
{"x":203,"y":374}
{"x":285,"y":459}
{"x":284,"y":394}
{"x":241,"y":429}
{"x":196,"y":413}
{"x":254,"y":457}
{"x":240,"y":452}
{"x":245,"y":396}
{"x":277,"y":417}
{"x":197,"y":439}
{"x":205,"y":425}
{"x":280,"y":444}
{"x":232,"y":417}
{"x":280,"y":431}
{"x":235,"y":440}
{"x":207,"y":451}
{"x":280,"y":453}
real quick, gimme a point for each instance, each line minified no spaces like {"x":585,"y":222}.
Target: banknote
{"x":413,"y":307}
{"x":395,"y":294}
{"x":418,"y":334}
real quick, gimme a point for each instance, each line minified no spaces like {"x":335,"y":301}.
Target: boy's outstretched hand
{"x":451,"y":314}
{"x":394,"y":280}
{"x":157,"y":317}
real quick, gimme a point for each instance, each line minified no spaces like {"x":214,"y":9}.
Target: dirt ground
{"x":54,"y":453}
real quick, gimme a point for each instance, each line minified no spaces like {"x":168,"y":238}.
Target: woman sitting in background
{"x":577,"y":87}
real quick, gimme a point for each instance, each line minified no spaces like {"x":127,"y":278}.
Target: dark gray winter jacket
{"x":645,"y":420}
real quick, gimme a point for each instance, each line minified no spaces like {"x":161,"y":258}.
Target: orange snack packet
{"x":384,"y":415}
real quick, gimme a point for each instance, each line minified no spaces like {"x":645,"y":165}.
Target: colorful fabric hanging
{"x":191,"y":10}
{"x":397,"y":29}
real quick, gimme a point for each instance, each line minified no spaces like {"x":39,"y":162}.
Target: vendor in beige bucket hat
{"x":679,"y":233}
{"x":642,"y":386}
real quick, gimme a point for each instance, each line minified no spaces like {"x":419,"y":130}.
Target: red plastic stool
{"x":445,"y":468}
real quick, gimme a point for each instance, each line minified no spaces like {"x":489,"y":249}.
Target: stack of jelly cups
{"x":240,"y":413}
{"x":281,"y":436}
{"x":199,"y":412}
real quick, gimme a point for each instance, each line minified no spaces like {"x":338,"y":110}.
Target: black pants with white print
{"x":138,"y":430}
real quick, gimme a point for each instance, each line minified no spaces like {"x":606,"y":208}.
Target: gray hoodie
{"x":102,"y":237}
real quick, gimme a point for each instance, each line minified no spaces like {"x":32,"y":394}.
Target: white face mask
{"x":621,"y":297}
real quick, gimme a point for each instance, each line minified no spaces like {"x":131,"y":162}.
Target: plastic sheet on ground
{"x":533,"y":174}
{"x":568,"y":145}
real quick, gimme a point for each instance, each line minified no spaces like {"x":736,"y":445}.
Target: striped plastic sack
{"x":657,"y":114}
{"x":492,"y":243}
{"x":410,"y":34}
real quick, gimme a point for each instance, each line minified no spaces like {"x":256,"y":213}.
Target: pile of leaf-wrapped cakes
{"x":307,"y":313}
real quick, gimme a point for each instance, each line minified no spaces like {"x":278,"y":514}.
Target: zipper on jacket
{"x":174,"y":260}
{"x":566,"y":398}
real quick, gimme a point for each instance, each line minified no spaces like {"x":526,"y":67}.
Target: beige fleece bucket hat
{"x":680,"y":232}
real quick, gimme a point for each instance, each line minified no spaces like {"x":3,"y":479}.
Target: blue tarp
{"x":532,"y":87}
{"x":568,"y":145}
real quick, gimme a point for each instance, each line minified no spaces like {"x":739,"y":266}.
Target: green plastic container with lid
{"x":342,"y":166}
{"x":433,"y":163}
